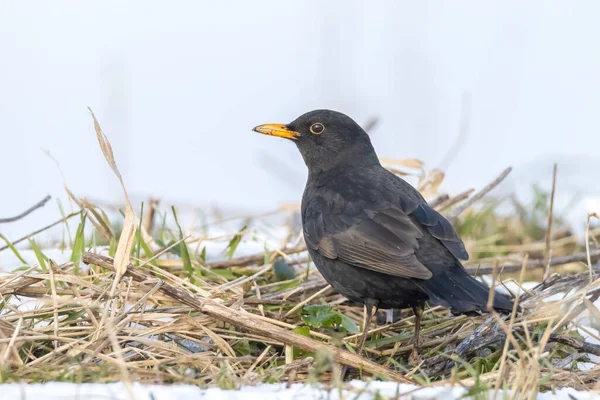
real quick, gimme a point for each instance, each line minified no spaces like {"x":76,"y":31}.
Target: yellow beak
{"x":279,"y":130}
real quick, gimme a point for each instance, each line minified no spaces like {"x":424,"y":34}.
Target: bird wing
{"x":383,"y":240}
{"x":440,"y":228}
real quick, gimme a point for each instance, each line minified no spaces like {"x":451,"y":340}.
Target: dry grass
{"x":169,"y":316}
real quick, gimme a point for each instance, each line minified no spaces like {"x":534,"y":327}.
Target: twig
{"x":11,"y":344}
{"x":25,"y":213}
{"x":370,"y":124}
{"x":441,"y":199}
{"x":483,"y":335}
{"x":547,"y":250}
{"x":567,"y":362}
{"x":249,"y":321}
{"x":251,"y":259}
{"x":578,"y":257}
{"x":480,"y":194}
{"x":577,"y":344}
{"x":306,"y":301}
{"x":42,"y":229}
{"x":303,"y":288}
{"x":576,"y":311}
{"x":452,"y":201}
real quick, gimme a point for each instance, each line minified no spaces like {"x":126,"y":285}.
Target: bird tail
{"x":463,"y":294}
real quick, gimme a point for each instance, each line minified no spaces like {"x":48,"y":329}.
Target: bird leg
{"x":389,"y":316}
{"x":369,"y":316}
{"x":369,"y":304}
{"x":414,"y":358}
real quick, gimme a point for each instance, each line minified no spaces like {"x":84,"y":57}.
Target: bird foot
{"x":414,"y":360}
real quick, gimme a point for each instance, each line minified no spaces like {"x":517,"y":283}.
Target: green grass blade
{"x":79,"y":244}
{"x":185,"y":255}
{"x":39,"y":255}
{"x":13,"y":249}
{"x":235,"y":241}
{"x":65,"y":227}
{"x":138,"y":235}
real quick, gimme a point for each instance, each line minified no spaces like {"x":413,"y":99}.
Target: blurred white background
{"x":178,"y":86}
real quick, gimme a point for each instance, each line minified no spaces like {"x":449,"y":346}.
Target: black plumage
{"x":372,"y":235}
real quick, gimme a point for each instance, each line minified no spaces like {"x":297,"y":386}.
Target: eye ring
{"x":317,"y":128}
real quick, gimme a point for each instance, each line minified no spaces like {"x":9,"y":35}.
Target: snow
{"x":269,"y":232}
{"x":357,"y":390}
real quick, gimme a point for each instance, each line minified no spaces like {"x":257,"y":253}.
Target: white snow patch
{"x":363,"y":391}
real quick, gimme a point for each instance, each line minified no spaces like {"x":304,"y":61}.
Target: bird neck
{"x":360,"y":156}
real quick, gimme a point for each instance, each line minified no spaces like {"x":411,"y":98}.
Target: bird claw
{"x":414,"y":360}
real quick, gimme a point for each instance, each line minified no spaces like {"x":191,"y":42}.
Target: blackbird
{"x":372,"y":235}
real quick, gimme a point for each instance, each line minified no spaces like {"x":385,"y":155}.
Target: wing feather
{"x":441,"y":229}
{"x":385,"y":239}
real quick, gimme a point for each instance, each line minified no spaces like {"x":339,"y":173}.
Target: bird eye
{"x":317,"y":128}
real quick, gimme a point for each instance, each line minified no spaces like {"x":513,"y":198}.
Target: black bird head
{"x":326,"y":139}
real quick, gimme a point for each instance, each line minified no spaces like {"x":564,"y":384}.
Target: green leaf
{"x":389,"y":339}
{"x":148,"y":251}
{"x":79,"y":244}
{"x":163,"y":225}
{"x":185,"y":254}
{"x":105,"y":221}
{"x":39,"y":255}
{"x":242,"y":347}
{"x":283,"y":272}
{"x":267,"y":255}
{"x":144,"y":245}
{"x":173,"y":250}
{"x":162,"y":244}
{"x":13,"y":248}
{"x":112,"y":248}
{"x":4,"y":302}
{"x":235,"y":241}
{"x":319,"y":315}
{"x":302,"y":330}
{"x":139,"y":236}
{"x":225,"y":273}
{"x":65,"y":228}
{"x":289,"y":284}
{"x":323,"y":316}
{"x":348,"y":324}
{"x":74,"y":316}
{"x":203,"y":254}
